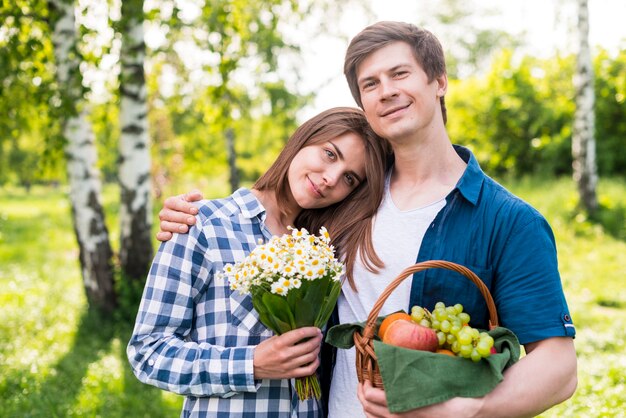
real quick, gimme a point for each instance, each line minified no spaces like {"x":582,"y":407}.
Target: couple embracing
{"x":392,"y":190}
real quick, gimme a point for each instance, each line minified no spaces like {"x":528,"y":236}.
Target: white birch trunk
{"x":81,"y":156}
{"x":583,"y":139}
{"x":134,"y":169}
{"x":232,"y":160}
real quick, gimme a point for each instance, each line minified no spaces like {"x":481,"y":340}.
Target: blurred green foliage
{"x":517,"y":119}
{"x":213,"y":72}
{"x":217,"y":71}
{"x":518,"y":116}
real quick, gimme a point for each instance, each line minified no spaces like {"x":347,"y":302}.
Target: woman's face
{"x":325,"y":173}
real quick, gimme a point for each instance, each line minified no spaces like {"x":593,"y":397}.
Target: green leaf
{"x":280,"y":311}
{"x":305,"y":315}
{"x":265,"y":316}
{"x":326,"y":308}
{"x":309,"y":299}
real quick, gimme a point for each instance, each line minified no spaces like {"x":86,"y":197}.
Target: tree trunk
{"x":583,"y":140}
{"x":81,"y":155}
{"x":134,"y":169}
{"x":232,"y":159}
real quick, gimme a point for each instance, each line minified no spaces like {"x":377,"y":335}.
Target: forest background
{"x":106,"y":107}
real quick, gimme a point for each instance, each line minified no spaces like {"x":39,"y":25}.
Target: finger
{"x":164,"y":236}
{"x":293,"y":352}
{"x":307,"y":369}
{"x":173,"y":227}
{"x":193,"y":196}
{"x":308,"y":349}
{"x":360,"y":393}
{"x":296,"y":336}
{"x":373,"y":394}
{"x":179,"y":204}
{"x":373,"y":400}
{"x":305,"y":358}
{"x":303,"y":351}
{"x":171,"y":216}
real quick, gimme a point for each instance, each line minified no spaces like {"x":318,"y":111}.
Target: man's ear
{"x":442,"y":85}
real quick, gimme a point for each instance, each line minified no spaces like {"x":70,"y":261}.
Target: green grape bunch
{"x":454,"y":332}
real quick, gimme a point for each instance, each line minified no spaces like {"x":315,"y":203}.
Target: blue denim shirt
{"x":505,"y":242}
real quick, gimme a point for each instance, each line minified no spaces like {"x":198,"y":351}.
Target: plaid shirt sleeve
{"x":160,"y":350}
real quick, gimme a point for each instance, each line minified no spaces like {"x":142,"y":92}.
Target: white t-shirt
{"x":397,"y":236}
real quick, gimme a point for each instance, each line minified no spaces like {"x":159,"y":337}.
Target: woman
{"x":195,"y":337}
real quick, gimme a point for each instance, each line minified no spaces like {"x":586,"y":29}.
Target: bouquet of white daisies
{"x":294,"y":281}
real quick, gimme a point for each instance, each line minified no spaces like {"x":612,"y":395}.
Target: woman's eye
{"x":330,"y":154}
{"x":350,"y":179}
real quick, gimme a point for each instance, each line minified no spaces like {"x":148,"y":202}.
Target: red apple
{"x":408,"y":334}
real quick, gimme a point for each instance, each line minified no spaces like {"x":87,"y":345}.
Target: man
{"x":440,"y":205}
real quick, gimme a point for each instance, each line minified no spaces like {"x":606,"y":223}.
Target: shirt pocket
{"x":244,"y":316}
{"x":451,"y":287}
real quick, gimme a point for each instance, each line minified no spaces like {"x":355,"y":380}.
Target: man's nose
{"x":387,"y":88}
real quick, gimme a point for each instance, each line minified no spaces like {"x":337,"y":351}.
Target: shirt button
{"x":566,"y":317}
{"x":150,"y":362}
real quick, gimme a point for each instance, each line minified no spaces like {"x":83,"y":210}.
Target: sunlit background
{"x":543,"y":27}
{"x":217,"y":111}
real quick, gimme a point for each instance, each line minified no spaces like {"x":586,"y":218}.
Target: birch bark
{"x":134,"y":170}
{"x":232,"y":159}
{"x":583,"y":135}
{"x":81,"y":156}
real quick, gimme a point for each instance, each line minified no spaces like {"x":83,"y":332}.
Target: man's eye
{"x":368,"y":85}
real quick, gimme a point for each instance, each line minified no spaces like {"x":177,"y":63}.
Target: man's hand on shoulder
{"x":178,"y":214}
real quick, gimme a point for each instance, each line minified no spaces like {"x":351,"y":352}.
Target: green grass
{"x":591,"y":261}
{"x":57,"y":359}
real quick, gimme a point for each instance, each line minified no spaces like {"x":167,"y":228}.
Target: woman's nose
{"x":330,"y":177}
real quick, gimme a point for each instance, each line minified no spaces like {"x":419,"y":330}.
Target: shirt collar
{"x":472,"y":179}
{"x":249,"y":205}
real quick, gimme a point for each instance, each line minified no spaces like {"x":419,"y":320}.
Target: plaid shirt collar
{"x":249,"y":204}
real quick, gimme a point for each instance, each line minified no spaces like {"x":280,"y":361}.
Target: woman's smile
{"x":315,"y":190}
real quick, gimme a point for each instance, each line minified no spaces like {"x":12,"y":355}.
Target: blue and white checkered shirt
{"x":194,"y":336}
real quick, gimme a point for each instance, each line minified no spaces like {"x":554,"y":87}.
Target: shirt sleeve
{"x":160,"y":350}
{"x":528,"y":292}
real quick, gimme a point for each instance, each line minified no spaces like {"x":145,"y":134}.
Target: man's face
{"x":399,"y":102}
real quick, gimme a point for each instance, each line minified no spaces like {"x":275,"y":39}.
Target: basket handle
{"x":368,"y":331}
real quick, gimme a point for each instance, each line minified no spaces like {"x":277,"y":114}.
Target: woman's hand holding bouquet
{"x":287,"y":355}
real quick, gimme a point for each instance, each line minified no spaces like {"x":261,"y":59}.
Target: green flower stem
{"x":308,"y":387}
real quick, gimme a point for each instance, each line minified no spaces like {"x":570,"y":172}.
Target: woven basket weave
{"x":366,"y":361}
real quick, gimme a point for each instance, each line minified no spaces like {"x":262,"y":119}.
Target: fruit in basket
{"x":406,"y":333}
{"x":389,"y":319}
{"x":445,"y":351}
{"x":451,"y":326}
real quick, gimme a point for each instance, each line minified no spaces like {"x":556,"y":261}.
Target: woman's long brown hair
{"x":349,"y":222}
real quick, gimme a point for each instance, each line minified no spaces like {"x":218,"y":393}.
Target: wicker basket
{"x":366,"y":361}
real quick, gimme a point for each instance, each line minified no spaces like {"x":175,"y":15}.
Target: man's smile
{"x":391,"y":110}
